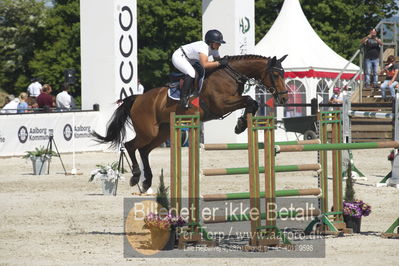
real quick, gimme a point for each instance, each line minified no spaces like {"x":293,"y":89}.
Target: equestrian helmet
{"x":214,"y":36}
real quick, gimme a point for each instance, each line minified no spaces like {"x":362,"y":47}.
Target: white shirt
{"x":34,"y":89}
{"x":11,"y":107}
{"x":193,"y":50}
{"x":140,"y":89}
{"x":64,"y":100}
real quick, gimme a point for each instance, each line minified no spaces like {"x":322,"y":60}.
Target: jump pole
{"x":246,"y":216}
{"x":246,"y":195}
{"x":245,"y":170}
{"x":244,"y":146}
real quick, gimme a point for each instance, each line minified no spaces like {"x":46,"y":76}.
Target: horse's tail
{"x":116,"y":130}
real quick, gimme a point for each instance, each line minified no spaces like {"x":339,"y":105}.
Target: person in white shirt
{"x":64,"y":100}
{"x":34,"y":89}
{"x":11,"y":105}
{"x":199,"y":51}
{"x":140,"y":87}
{"x":337,"y":96}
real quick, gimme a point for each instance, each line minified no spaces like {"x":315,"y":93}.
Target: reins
{"x":242,"y":79}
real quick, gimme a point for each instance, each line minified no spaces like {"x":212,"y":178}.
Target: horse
{"x":220,"y":95}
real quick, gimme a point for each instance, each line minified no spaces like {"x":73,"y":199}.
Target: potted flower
{"x":109,"y":176}
{"x":354,"y":209}
{"x":163,"y":229}
{"x":163,"y":225}
{"x":40,"y":158}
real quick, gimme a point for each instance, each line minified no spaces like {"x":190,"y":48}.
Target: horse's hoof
{"x":136,"y":172}
{"x":134,"y":180}
{"x":241,"y":125}
{"x":145,"y":187}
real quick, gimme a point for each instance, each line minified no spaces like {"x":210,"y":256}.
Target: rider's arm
{"x":207,"y":64}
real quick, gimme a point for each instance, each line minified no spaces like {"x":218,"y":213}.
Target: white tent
{"x":311,"y":65}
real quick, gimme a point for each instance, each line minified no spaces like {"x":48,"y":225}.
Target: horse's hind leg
{"x":131,"y":149}
{"x":162,"y":136}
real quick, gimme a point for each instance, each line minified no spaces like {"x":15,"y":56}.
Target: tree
{"x":342,"y":23}
{"x":163,"y":26}
{"x":61,"y":46}
{"x":22,"y":27}
{"x":339,"y":23}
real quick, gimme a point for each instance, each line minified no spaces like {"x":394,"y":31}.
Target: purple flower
{"x":356,"y":209}
{"x":164,"y":222}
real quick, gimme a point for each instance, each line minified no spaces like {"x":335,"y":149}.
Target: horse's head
{"x":273,"y":79}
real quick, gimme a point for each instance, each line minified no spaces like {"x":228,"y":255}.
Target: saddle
{"x":176,"y":82}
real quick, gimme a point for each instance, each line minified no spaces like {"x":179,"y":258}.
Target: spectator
{"x":23,"y":105}
{"x":337,"y":96}
{"x":64,"y":100}
{"x":45,"y":100}
{"x":140,"y":87}
{"x":372,"y":54}
{"x":11,"y":105}
{"x":391,"y":70}
{"x":35,"y":88}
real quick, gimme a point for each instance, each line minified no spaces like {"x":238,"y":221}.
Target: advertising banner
{"x":70,"y":130}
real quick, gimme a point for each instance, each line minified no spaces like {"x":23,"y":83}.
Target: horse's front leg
{"x":251,"y":107}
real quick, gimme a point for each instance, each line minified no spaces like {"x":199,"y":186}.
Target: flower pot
{"x":40,"y":165}
{"x":109,"y":187}
{"x":162,"y":239}
{"x":353,"y":222}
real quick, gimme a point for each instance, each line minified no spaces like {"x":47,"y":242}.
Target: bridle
{"x":242,"y":79}
{"x":273,"y":89}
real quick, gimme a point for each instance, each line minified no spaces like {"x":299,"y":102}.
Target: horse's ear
{"x":282,"y":58}
{"x":273,"y":61}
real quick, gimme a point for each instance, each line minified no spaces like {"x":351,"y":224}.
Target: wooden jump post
{"x":271,"y":230}
{"x":192,"y":123}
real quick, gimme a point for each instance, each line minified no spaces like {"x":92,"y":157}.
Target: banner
{"x":70,"y":130}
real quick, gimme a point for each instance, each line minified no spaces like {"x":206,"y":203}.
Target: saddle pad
{"x":174,"y":91}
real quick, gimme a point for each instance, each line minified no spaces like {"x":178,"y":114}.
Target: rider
{"x":188,"y":54}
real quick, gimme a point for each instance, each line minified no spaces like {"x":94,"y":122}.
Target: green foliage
{"x":38,"y":152}
{"x":349,"y":190}
{"x":22,"y":25}
{"x":43,"y":41}
{"x":342,"y":23}
{"x":61,"y":46}
{"x":162,"y":27}
{"x":266,"y":12}
{"x":162,"y":193}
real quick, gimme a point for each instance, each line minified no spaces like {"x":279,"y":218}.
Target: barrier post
{"x":195,"y":233}
{"x":179,"y":122}
{"x":272,"y":234}
{"x":337,"y":164}
{"x":323,"y":179}
{"x":254,"y":185}
{"x":175,"y":166}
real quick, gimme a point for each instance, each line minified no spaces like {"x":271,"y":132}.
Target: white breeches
{"x":180,"y":61}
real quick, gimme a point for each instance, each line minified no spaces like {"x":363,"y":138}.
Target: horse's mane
{"x":238,"y":58}
{"x":245,"y":57}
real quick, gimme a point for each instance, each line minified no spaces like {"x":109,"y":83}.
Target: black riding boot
{"x":185,"y":91}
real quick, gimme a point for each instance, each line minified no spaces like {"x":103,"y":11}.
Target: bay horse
{"x":221,"y":94}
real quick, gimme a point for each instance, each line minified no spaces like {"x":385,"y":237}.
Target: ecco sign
{"x":126,"y":48}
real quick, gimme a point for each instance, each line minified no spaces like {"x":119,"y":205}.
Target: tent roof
{"x":308,"y":55}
